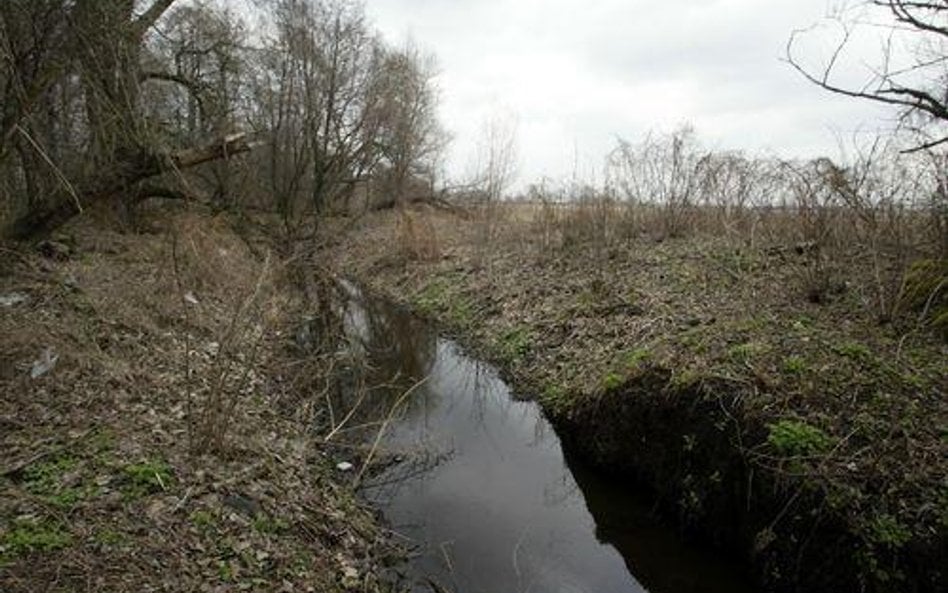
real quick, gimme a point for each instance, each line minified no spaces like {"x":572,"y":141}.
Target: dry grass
{"x":162,"y":449}
{"x":575,"y":307}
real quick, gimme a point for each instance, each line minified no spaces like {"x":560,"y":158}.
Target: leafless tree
{"x":410,"y":137}
{"x":911,"y":71}
{"x":74,"y":71}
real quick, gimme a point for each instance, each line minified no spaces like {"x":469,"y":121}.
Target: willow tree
{"x":95,"y":49}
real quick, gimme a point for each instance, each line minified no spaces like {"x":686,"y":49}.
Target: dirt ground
{"x":156,"y":426}
{"x":799,"y":431}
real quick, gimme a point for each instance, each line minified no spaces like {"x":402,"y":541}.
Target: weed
{"x":637,"y":357}
{"x":461,"y":312}
{"x":854,"y":350}
{"x":203,"y":520}
{"x":794,"y":365}
{"x":269,"y":525}
{"x":744,"y":352}
{"x":42,"y":478}
{"x":553,"y":392}
{"x":434,"y":296}
{"x":146,"y":477}
{"x":611,"y":381}
{"x":225,"y":571}
{"x":32,"y":535}
{"x":885,"y":529}
{"x":586,"y":301}
{"x":795,"y":437}
{"x":685,"y":378}
{"x":515,"y":344}
{"x":110,"y":537}
{"x":46,"y":481}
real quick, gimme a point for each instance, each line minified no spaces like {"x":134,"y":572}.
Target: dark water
{"x":486,"y":492}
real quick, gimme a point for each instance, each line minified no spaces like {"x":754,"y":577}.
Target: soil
{"x":156,"y":418}
{"x":799,"y":432}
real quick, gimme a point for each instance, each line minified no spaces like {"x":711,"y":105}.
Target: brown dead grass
{"x":573,"y":320}
{"x":99,"y":454}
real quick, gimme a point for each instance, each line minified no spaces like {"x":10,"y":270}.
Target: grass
{"x":794,"y":365}
{"x":59,"y":482}
{"x":32,"y":535}
{"x":794,"y":437}
{"x":515,"y":344}
{"x":715,"y":318}
{"x":146,"y":477}
{"x":100,"y":484}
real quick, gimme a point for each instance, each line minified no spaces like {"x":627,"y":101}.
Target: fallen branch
{"x":121,"y":177}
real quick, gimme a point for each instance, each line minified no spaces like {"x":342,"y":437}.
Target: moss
{"x":635,"y":358}
{"x":925,"y":286}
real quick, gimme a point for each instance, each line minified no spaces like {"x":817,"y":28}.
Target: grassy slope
{"x":808,"y":435}
{"x":98,"y":490}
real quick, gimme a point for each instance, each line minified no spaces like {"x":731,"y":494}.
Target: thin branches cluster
{"x":123,"y":101}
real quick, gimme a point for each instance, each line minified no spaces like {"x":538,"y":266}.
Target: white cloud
{"x":578,"y":73}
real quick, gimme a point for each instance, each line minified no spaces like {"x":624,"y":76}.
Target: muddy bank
{"x":803,"y":437}
{"x":157,"y":423}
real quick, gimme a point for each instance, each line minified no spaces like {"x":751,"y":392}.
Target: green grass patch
{"x":611,"y":381}
{"x":47,"y":481}
{"x":202,"y":520}
{"x":145,"y":478}
{"x":745,"y":352}
{"x":886,"y":530}
{"x":28,"y":536}
{"x":270,"y":525}
{"x":110,"y":538}
{"x":854,"y":351}
{"x":434,"y":296}
{"x":794,"y":437}
{"x":794,"y":365}
{"x":638,"y":357}
{"x":515,"y":344}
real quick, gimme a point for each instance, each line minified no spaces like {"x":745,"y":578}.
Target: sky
{"x":573,"y":75}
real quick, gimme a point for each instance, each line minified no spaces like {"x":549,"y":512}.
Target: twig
{"x":385,"y":423}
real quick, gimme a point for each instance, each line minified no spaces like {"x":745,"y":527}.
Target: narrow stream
{"x":484,"y":489}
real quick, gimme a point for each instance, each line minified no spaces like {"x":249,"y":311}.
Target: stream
{"x":484,"y":492}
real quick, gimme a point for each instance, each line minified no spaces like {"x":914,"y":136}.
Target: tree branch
{"x":150,"y":17}
{"x":121,"y":177}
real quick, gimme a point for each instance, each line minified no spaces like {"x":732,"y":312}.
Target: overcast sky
{"x":577,"y":73}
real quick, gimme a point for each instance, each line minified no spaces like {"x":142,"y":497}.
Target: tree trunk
{"x":120,"y":177}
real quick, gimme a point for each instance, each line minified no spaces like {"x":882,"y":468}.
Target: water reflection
{"x":485,"y":489}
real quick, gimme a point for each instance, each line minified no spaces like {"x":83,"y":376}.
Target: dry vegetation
{"x":775,"y":371}
{"x":170,"y":447}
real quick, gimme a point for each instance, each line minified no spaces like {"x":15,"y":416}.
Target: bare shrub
{"x":415,"y":236}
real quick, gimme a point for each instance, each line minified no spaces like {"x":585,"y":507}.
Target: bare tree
{"x":92,"y":64}
{"x":911,"y":71}
{"x":315,"y":105}
{"x":410,"y":136}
